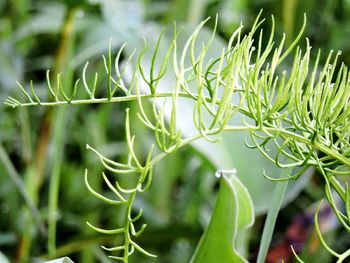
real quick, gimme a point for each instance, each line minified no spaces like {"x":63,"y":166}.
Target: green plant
{"x":302,"y":113}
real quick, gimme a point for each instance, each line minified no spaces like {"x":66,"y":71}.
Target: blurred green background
{"x":42,"y":150}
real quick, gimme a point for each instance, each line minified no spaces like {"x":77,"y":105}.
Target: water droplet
{"x":220,"y":172}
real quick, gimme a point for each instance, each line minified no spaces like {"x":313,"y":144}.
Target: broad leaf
{"x":233,"y":211}
{"x":3,"y":258}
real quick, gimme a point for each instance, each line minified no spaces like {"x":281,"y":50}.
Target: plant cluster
{"x":303,"y":112}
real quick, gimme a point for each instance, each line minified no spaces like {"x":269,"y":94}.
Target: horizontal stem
{"x":297,"y":137}
{"x":121,"y":99}
{"x":283,"y":133}
{"x":103,"y":100}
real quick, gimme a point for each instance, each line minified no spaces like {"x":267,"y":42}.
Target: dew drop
{"x":220,"y":172}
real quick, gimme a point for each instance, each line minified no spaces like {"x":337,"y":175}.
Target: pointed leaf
{"x":233,"y":211}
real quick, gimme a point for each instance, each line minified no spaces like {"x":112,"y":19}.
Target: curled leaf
{"x":233,"y":211}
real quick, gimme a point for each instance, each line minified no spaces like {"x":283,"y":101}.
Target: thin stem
{"x":337,"y":187}
{"x":58,"y":145}
{"x":275,"y":206}
{"x":319,"y":146}
{"x":344,"y":256}
{"x":61,"y":116}
{"x":127,"y":227}
{"x":124,"y":99}
{"x":287,"y":134}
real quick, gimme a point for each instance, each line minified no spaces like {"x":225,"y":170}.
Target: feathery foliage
{"x":303,"y":111}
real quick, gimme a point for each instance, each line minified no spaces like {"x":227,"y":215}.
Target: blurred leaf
{"x":178,"y":11}
{"x":48,"y":20}
{"x":122,"y":15}
{"x":121,"y":23}
{"x":233,"y":211}
{"x":96,"y":43}
{"x":3,"y":258}
{"x":231,"y":152}
{"x":232,"y":13}
{"x":11,"y":67}
{"x":20,"y":185}
{"x":2,"y":6}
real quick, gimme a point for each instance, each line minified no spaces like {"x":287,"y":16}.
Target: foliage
{"x":302,"y":114}
{"x":45,"y":162}
{"x":233,"y":212}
